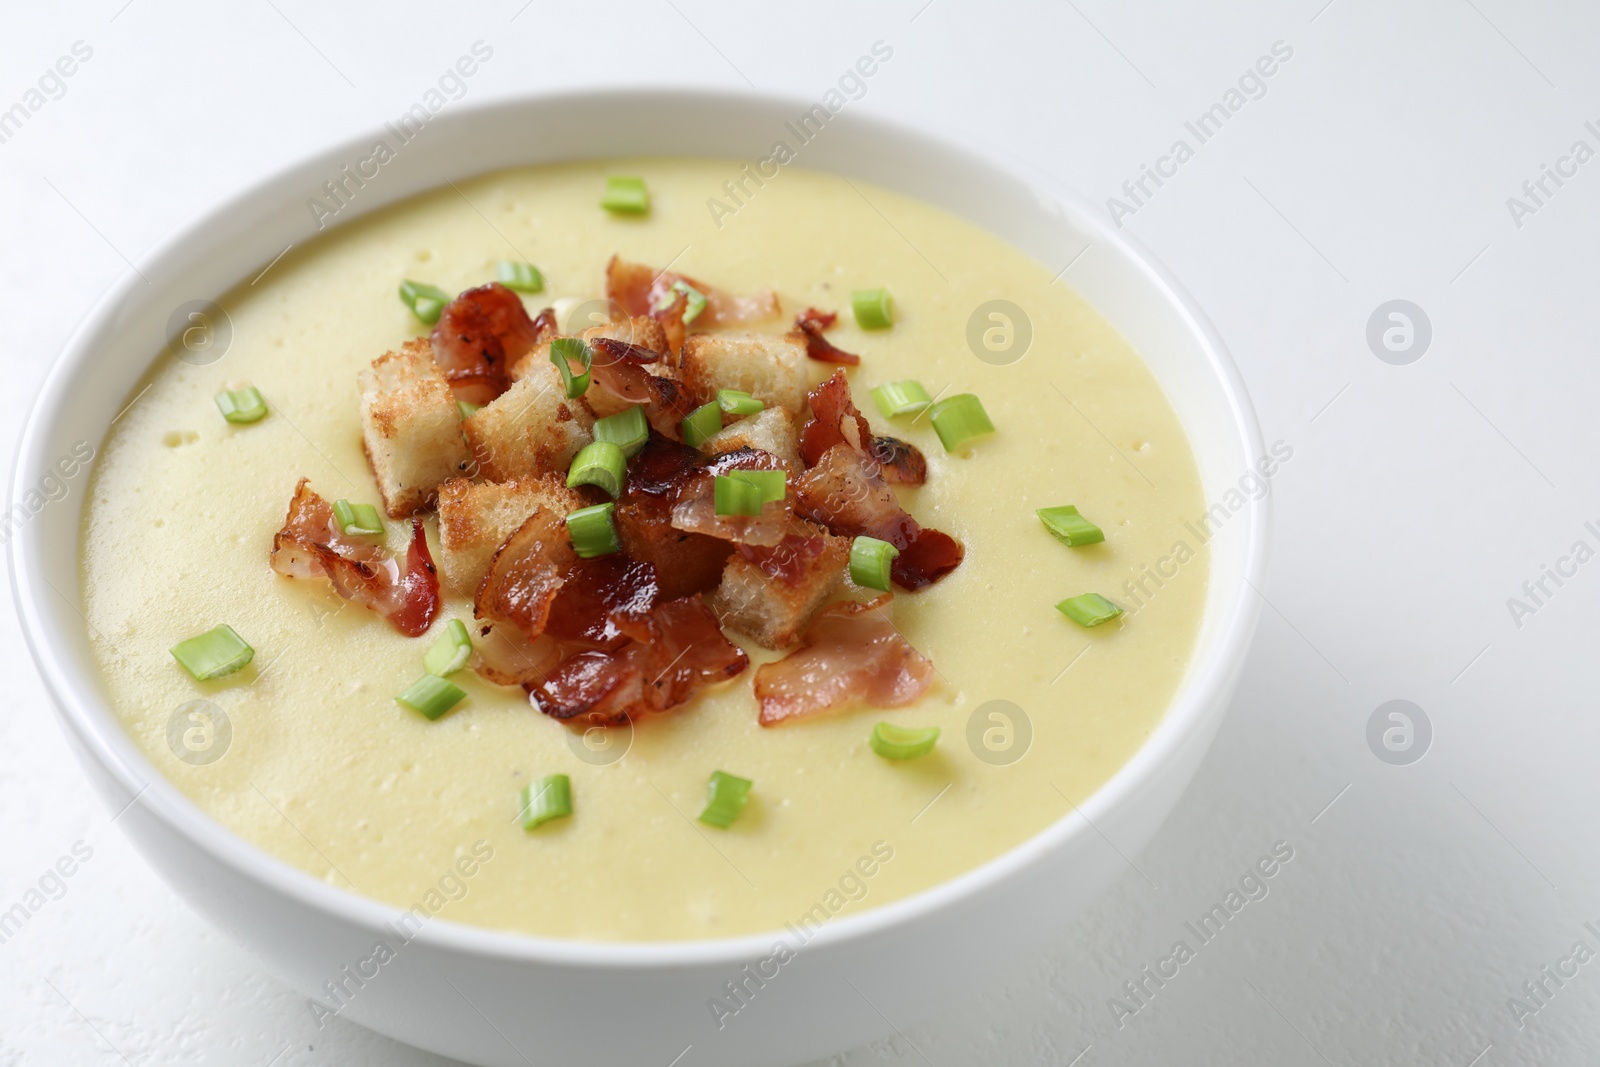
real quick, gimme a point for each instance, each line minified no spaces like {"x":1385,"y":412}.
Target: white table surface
{"x":1420,"y":497}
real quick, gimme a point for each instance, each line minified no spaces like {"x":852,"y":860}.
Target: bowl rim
{"x":94,"y":724}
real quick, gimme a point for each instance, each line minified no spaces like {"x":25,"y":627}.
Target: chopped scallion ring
{"x":735,"y":496}
{"x":599,"y":463}
{"x":523,"y":277}
{"x":431,"y":696}
{"x":694,"y":300}
{"x":425,"y":301}
{"x":1069,"y":527}
{"x":773,"y":484}
{"x":451,"y":652}
{"x":874,"y":308}
{"x":1090,"y":609}
{"x":544,"y":799}
{"x":242,"y":405}
{"x":216,"y":652}
{"x":737,"y":402}
{"x":900,"y":398}
{"x":870,"y":560}
{"x":467,"y":410}
{"x":903,"y":742}
{"x":565,"y":351}
{"x":701,"y":423}
{"x":626,"y":196}
{"x":360,"y":519}
{"x":728,"y":795}
{"x":592,"y":531}
{"x":957,"y":419}
{"x":628,"y":430}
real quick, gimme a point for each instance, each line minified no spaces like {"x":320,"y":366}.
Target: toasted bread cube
{"x":771,"y":430}
{"x":529,"y":430}
{"x":769,"y":368}
{"x":475,"y":518}
{"x":410,"y":428}
{"x":773,"y":603}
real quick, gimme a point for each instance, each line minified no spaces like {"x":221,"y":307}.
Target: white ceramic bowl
{"x":502,"y":999}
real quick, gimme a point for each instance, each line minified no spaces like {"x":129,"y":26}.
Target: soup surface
{"x":316,"y":763}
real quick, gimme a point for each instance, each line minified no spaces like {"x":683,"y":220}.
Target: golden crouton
{"x":773,"y":598}
{"x":410,"y":427}
{"x":772,"y":430}
{"x":475,"y":518}
{"x":530,"y":429}
{"x":768,"y":368}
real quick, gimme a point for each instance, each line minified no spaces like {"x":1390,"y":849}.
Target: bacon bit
{"x":850,"y":655}
{"x":834,"y":419}
{"x":848,"y":494}
{"x":545,"y":327}
{"x":810,"y":324}
{"x":900,"y":463}
{"x":930,"y":555}
{"x":312,"y":545}
{"x":637,"y":289}
{"x":696,"y":507}
{"x":684,"y":653}
{"x":524,"y":576}
{"x":605,"y":602}
{"x":509,"y":661}
{"x":622,"y":373}
{"x":685,"y":562}
{"x":480,"y":334}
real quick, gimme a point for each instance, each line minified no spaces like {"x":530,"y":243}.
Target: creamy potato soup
{"x":305,"y":751}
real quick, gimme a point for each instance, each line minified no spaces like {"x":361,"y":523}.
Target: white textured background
{"x":1419,"y":498}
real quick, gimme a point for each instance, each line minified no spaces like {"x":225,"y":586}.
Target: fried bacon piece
{"x":846,"y":492}
{"x":850,"y":655}
{"x":605,"y":602}
{"x":696,"y":509}
{"x":509,"y":660}
{"x":685,"y":652}
{"x":312,"y":545}
{"x":835,"y":419}
{"x":637,"y":289}
{"x":810,"y":324}
{"x":480,"y":334}
{"x":619,"y":368}
{"x":685,"y":562}
{"x":524,"y":576}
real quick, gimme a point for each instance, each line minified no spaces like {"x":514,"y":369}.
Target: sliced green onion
{"x":564,"y":351}
{"x":628,"y":430}
{"x":873,"y":307}
{"x":467,"y":410}
{"x":431,"y":696}
{"x":773,"y":484}
{"x":592,"y":531}
{"x":737,"y":402}
{"x":903,"y":742}
{"x":523,"y":277}
{"x":599,"y":463}
{"x":1069,"y":527}
{"x":626,"y":196}
{"x":241,"y":405}
{"x":728,"y":795}
{"x":870,"y":560}
{"x":451,"y":652}
{"x":357,"y":518}
{"x":1090,"y":609}
{"x":694,"y":303}
{"x":900,"y":398}
{"x":544,"y":799}
{"x":701,"y":423}
{"x":957,"y":419}
{"x":735,"y":496}
{"x":424,"y":300}
{"x":216,"y":652}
